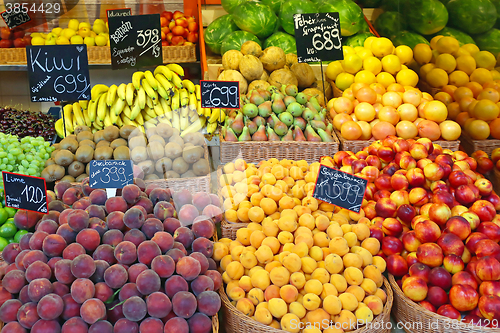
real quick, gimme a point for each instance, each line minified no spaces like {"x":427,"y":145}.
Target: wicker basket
{"x":193,"y":184}
{"x":215,"y":324}
{"x":352,"y":145}
{"x":13,"y":56}
{"x":470,"y":145}
{"x":336,"y":91}
{"x":228,"y":230}
{"x":237,"y":322}
{"x":417,"y":319}
{"x":495,"y":180}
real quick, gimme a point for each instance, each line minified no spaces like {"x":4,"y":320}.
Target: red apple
{"x":420,"y":270}
{"x":19,"y":42}
{"x":494,"y":199}
{"x":490,"y":229}
{"x":484,"y":209}
{"x":484,"y":165}
{"x":27,"y":40}
{"x":168,"y":15}
{"x":466,"y":256}
{"x":376,"y":233}
{"x":385,"y":207}
{"x":177,"y":14}
{"x":392,"y":245}
{"x":358,"y":165}
{"x":484,"y":186}
{"x":430,"y":254}
{"x":434,"y":171}
{"x":389,"y":141}
{"x":407,"y":162}
{"x":171,"y":25}
{"x":169,"y":37}
{"x":457,"y":178}
{"x":488,"y":269}
{"x":427,"y":232}
{"x":459,"y":226}
{"x":439,"y":186}
{"x":487,"y":248}
{"x":463,"y":297}
{"x":5,"y":33}
{"x":440,"y":277}
{"x":177,"y":40}
{"x":6,"y":43}
{"x":415,"y":288}
{"x":400,"y":198}
{"x":164,"y":43}
{"x":471,"y":162}
{"x":386,"y":154}
{"x":383,"y":182}
{"x":401,"y":145}
{"x":453,"y":263}
{"x":182,"y":22}
{"x":418,"y":151}
{"x":396,"y":265}
{"x":464,"y":278}
{"x":437,"y":296}
{"x":423,"y":162}
{"x":411,"y":259}
{"x":418,"y":196}
{"x":178,"y":30}
{"x":449,"y":311}
{"x":489,"y":305}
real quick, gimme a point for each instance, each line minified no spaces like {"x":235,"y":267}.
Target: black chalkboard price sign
{"x":58,"y":73}
{"x":25,"y":192}
{"x":340,"y":188}
{"x":135,"y":41}
{"x":318,"y":37}
{"x":110,"y":173}
{"x":220,"y":94}
{"x":15,"y":17}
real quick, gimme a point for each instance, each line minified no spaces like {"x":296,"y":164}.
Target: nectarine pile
{"x":137,"y":261}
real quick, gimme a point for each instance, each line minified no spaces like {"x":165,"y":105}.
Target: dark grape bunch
{"x":26,"y":123}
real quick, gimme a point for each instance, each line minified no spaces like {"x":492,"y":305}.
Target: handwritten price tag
{"x":110,"y":173}
{"x":25,"y":192}
{"x":15,"y":17}
{"x":220,"y":94}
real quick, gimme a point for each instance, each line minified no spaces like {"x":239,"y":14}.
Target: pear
{"x":259,"y":121}
{"x":329,"y":129}
{"x":250,"y":110}
{"x":301,"y":98}
{"x":324,"y":135}
{"x":286,"y":118}
{"x":308,"y":114}
{"x":288,"y":100}
{"x":270,"y":120}
{"x":252,"y":127}
{"x":291,"y":90}
{"x":265,"y":109}
{"x":278,"y":106}
{"x":294,"y":108}
{"x":298,"y":135}
{"x":230,"y":136}
{"x":311,"y":135}
{"x":300,"y":122}
{"x":317,"y":124}
{"x":314,"y":101}
{"x":256,"y":98}
{"x":279,"y":127}
{"x":265,"y":94}
{"x":288,"y":136}
{"x":245,"y":135}
{"x":271,"y":135}
{"x":260,"y":135}
{"x":238,"y":124}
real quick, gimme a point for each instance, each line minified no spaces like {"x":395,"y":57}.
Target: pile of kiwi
{"x":160,"y":152}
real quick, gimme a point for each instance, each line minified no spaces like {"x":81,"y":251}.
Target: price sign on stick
{"x":340,"y":188}
{"x":118,"y":12}
{"x":58,"y":73}
{"x":111,"y":174}
{"x":318,"y":37}
{"x":15,"y":17}
{"x":220,"y":94}
{"x":135,"y":41}
{"x":25,"y":192}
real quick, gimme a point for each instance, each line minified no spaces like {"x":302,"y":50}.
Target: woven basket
{"x":352,"y":145}
{"x":215,"y":323}
{"x":13,"y":56}
{"x":336,"y":91}
{"x":471,"y":145}
{"x":228,"y":230}
{"x":417,"y":319}
{"x":451,"y":145}
{"x":237,"y":322}
{"x":495,"y":180}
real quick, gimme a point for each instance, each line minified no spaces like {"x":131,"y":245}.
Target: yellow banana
{"x":141,"y":97}
{"x":192,"y":114}
{"x":162,"y":92}
{"x":117,"y":108}
{"x":176,"y":69}
{"x":188,"y":85}
{"x":164,"y":120}
{"x":150,"y":112}
{"x":84,"y":104}
{"x":214,"y":116}
{"x":176,"y":121}
{"x":107,"y":120}
{"x":75,"y":124}
{"x":136,"y":109}
{"x":165,"y":83}
{"x":167,"y":73}
{"x":97,"y":90}
{"x":59,"y":126}
{"x":111,"y":95}
{"x":98,"y":123}
{"x":164,"y":105}
{"x":199,"y":109}
{"x":92,"y":110}
{"x":119,"y":122}
{"x":129,"y":94}
{"x":169,"y":115}
{"x":184,"y":111}
{"x":211,"y":127}
{"x":184,"y":96}
{"x":77,"y":113}
{"x":158,"y":110}
{"x":150,"y":91}
{"x":197,"y":91}
{"x":126,"y":120}
{"x":68,"y":118}
{"x":194,"y":127}
{"x":102,"y":108}
{"x":86,"y":118}
{"x":136,"y":79}
{"x":207,"y":112}
{"x":146,"y":116}
{"x":184,"y":122}
{"x":222,"y":116}
{"x":149,"y":102}
{"x":151,"y":80}
{"x":175,"y":101}
{"x":126,"y":111}
{"x":192,"y":101}
{"x":113,"y":117}
{"x":176,"y":80}
{"x":139,"y":119}
{"x":149,"y":124}
{"x":121,"y":91}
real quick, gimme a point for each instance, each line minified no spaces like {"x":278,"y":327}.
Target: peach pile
{"x":365,"y":112}
{"x":296,"y":270}
{"x":140,"y":261}
{"x":495,"y":157}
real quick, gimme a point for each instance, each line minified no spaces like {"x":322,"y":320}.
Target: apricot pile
{"x":140,"y":261}
{"x":296,"y":269}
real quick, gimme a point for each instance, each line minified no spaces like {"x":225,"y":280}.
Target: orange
{"x":479,"y":129}
{"x":486,"y":110}
{"x":489,"y":93}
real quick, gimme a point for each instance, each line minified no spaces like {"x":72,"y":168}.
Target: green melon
{"x":489,"y":41}
{"x":282,"y":40}
{"x":256,"y":18}
{"x":217,"y":31}
{"x":357,"y":39}
{"x":430,"y":17}
{"x":462,"y":37}
{"x":409,"y":38}
{"x":350,"y":14}
{"x":230,"y":5}
{"x":394,"y":6}
{"x":274,"y":4}
{"x":234,"y":40}
{"x":364,"y":27}
{"x":472,"y":16}
{"x":292,"y":7}
{"x":388,"y":24}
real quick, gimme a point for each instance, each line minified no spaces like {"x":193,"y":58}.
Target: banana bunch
{"x":151,"y":98}
{"x":213,"y":116}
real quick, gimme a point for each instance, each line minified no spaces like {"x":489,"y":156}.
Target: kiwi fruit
{"x":196,"y":139}
{"x":136,"y":132}
{"x":87,"y":169}
{"x":111,"y":133}
{"x":89,"y":143}
{"x":157,"y":138}
{"x":126,"y":130}
{"x":86,"y":135}
{"x":177,"y":139}
{"x":56,"y":146}
{"x":175,"y":131}
{"x":151,"y":132}
{"x":192,"y":154}
{"x":188,"y":174}
{"x":68,"y":178}
{"x":53,"y":154}
{"x":137,"y":141}
{"x":163,"y":164}
{"x":84,"y":154}
{"x":121,"y":153}
{"x":172,"y":174}
{"x":72,"y":136}
{"x":173,"y":150}
{"x":103,"y":153}
{"x":118,"y":142}
{"x":155,"y":150}
{"x":147,"y":167}
{"x":201,"y":167}
{"x":98,"y":136}
{"x":180,"y":165}
{"x":69,"y":144}
{"x":151,"y":177}
{"x":164,"y":130}
{"x":53,"y":172}
{"x":76,"y":168}
{"x":81,"y":177}
{"x":189,"y":144}
{"x":139,"y":154}
{"x":64,"y":157}
{"x":50,"y":161}
{"x":103,"y":143}
{"x":81,"y":128}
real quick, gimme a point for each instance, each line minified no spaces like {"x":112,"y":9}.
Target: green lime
{"x":20,"y":234}
{"x":4,"y":215}
{"x":3,"y":243}
{"x":11,"y":211}
{"x":10,"y":220}
{"x":8,"y":230}
{"x":12,"y":240}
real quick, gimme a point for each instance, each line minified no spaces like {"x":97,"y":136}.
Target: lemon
{"x":348,"y":50}
{"x":37,"y":41}
{"x":404,"y":53}
{"x":385,"y":79}
{"x":56,"y":31}
{"x":434,"y":41}
{"x":36,"y":34}
{"x":447,"y":44}
{"x":368,"y":42}
{"x":447,"y":62}
{"x":481,"y":76}
{"x":51,"y":41}
{"x":73,"y":24}
{"x":76,"y":39}
{"x":98,"y":28}
{"x":100,"y":40}
{"x":68,"y":33}
{"x":364,"y":53}
{"x":344,"y":81}
{"x":459,"y":78}
{"x":381,"y":47}
{"x":391,"y":64}
{"x":466,"y":63}
{"x":460,"y":52}
{"x":404,"y":67}
{"x":84,"y":25}
{"x":407,"y":77}
{"x":352,"y":63}
{"x":495,"y":74}
{"x":365,"y":76}
{"x":373,"y":65}
{"x":426,"y":69}
{"x":422,"y":53}
{"x":471,"y":48}
{"x":334,"y":68}
{"x":485,"y":59}
{"x":435,"y":54}
{"x":437,"y":77}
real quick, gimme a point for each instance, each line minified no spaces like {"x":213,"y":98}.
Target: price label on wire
{"x":15,"y":17}
{"x":25,"y":192}
{"x":220,"y":94}
{"x":111,"y":173}
{"x":340,"y":188}
{"x":318,"y":37}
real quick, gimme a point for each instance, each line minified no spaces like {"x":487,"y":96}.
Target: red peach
{"x":453,"y":263}
{"x":451,"y":244}
{"x":427,"y":231}
{"x":464,"y":278}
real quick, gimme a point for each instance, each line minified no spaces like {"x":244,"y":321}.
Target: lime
{"x":11,"y":211}
{"x":12,"y":240}
{"x":4,"y":215}
{"x":8,"y":230}
{"x":10,"y":220}
{"x":3,"y":243}
{"x":19,"y":234}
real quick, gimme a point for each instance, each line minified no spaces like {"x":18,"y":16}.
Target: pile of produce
{"x":76,"y":33}
{"x":8,"y":230}
{"x":375,"y":61}
{"x":469,"y":21}
{"x":119,"y":264}
{"x":272,"y":22}
{"x":475,"y":107}
{"x":274,"y":115}
{"x":178,"y":29}
{"x":367,"y":112}
{"x":13,"y":38}
{"x":495,"y":157}
{"x":26,"y":123}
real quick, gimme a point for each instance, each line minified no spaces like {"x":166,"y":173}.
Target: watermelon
{"x":430,"y":17}
{"x":364,"y":27}
{"x":235,"y":39}
{"x":356,"y":40}
{"x":256,"y":18}
{"x":292,"y":7}
{"x":394,"y":6}
{"x":409,"y":38}
{"x":283,"y":41}
{"x":350,"y":14}
{"x":489,"y":41}
{"x":369,"y":3}
{"x":462,"y":37}
{"x":274,"y":4}
{"x":388,"y":24}
{"x":472,"y":16}
{"x":230,"y":5}
{"x":496,"y":3}
{"x":217,"y":31}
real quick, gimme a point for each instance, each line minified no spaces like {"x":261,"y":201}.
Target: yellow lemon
{"x":344,"y":81}
{"x":471,"y":48}
{"x":37,"y":41}
{"x":405,"y":54}
{"x":466,"y":63}
{"x":385,"y":79}
{"x":84,"y":25}
{"x":76,"y":39}
{"x":348,"y":50}
{"x":334,"y":69}
{"x":485,"y":59}
{"x":73,"y":24}
{"x":447,"y":62}
{"x":364,"y":53}
{"x":426,"y":69}
{"x":373,"y":65}
{"x":368,"y":42}
{"x":365,"y":76}
{"x":99,"y":28}
{"x":61,"y":40}
{"x":352,"y":63}
{"x":56,"y":31}
{"x":495,"y":74}
{"x":68,"y":33}
{"x":422,"y":53}
{"x":381,"y":47}
{"x":391,"y":64}
{"x":481,"y":76}
{"x":459,"y":78}
{"x":437,"y":77}
{"x":434,"y":41}
{"x":407,"y":77}
{"x":447,"y":44}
